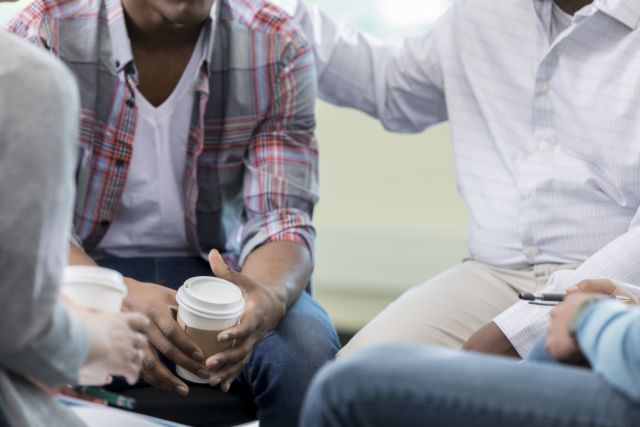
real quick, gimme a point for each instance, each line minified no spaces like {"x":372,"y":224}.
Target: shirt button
{"x":527,"y":194}
{"x":533,"y":250}
{"x":544,"y":87}
{"x":543,"y":145}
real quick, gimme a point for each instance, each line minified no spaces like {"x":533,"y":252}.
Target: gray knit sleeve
{"x":39,"y":112}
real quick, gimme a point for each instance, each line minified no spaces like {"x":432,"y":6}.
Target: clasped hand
{"x":561,"y":343}
{"x":263,"y":311}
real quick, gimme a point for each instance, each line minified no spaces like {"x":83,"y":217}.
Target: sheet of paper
{"x":94,"y":415}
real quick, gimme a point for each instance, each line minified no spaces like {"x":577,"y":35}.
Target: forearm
{"x":283,"y":267}
{"x":77,"y":256}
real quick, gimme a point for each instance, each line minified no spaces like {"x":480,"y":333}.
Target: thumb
{"x":573,"y":289}
{"x":599,"y":286}
{"x":218,"y":266}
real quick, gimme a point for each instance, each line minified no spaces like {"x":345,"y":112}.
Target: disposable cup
{"x":95,"y":288}
{"x":206,"y":307}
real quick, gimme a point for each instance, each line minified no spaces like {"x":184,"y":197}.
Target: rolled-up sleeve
{"x":281,"y":166}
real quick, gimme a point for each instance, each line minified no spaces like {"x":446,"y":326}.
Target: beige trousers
{"x":449,"y":308}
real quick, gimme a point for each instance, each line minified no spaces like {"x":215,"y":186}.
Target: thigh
{"x":408,"y":385}
{"x":283,"y":364}
{"x":304,"y":340}
{"x":447,"y":309}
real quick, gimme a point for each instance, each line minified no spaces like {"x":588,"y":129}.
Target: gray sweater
{"x":38,"y":147}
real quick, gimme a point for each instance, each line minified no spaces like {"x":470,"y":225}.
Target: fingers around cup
{"x":137,"y":321}
{"x":140,"y":341}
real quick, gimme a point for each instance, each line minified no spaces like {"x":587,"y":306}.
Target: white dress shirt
{"x":151,"y":219}
{"x":546,"y":133}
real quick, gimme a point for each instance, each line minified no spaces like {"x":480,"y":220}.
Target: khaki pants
{"x":449,"y":308}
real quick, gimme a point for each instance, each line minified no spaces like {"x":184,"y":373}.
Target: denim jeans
{"x":283,"y":363}
{"x":417,"y":385}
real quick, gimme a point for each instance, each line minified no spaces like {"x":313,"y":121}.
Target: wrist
{"x":278,"y":298}
{"x":576,"y":318}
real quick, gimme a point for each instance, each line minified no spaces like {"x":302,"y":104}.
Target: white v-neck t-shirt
{"x":151,"y":218}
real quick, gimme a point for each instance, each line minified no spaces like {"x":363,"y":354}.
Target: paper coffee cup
{"x":95,"y":288}
{"x":207,"y":306}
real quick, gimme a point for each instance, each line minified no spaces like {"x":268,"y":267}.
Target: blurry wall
{"x":389,"y":215}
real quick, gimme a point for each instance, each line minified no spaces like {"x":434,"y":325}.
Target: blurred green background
{"x":389,"y":216}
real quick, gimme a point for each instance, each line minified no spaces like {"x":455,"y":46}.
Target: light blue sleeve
{"x":609,"y":335}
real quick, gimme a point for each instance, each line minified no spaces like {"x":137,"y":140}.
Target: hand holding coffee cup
{"x":165,"y":337}
{"x":206,"y":307}
{"x":117,"y":344}
{"x":117,"y":341}
{"x":264,"y":308}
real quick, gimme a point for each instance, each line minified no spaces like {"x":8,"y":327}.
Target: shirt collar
{"x":122,"y":55}
{"x":625,"y":11}
{"x":120,"y":43}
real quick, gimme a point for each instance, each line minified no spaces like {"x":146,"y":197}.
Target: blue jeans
{"x":417,"y":385}
{"x":283,"y":364}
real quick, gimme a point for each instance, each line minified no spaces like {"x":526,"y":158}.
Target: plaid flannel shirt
{"x":251,"y":169}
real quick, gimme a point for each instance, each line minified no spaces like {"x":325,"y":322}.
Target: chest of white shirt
{"x":580,"y":95}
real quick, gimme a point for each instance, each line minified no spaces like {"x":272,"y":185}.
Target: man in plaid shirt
{"x":196,"y":140}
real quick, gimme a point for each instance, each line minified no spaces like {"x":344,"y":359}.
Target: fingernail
{"x":203,"y":373}
{"x":197,"y":355}
{"x":212,"y":364}
{"x":224,"y":337}
{"x":226,"y":387}
{"x":182,"y":389}
{"x":215,"y":382}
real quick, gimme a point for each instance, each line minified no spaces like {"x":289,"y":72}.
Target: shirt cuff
{"x":291,"y":225}
{"x":523,"y":324}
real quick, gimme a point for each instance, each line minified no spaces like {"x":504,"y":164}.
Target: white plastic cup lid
{"x":211,"y":297}
{"x":89,"y":274}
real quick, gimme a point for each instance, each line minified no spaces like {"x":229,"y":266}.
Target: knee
{"x":324,"y":397}
{"x":303,"y":342}
{"x":343,"y":383}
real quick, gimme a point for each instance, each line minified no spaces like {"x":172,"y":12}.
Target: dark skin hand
{"x":158,"y":304}
{"x":272,"y":278}
{"x":490,"y":339}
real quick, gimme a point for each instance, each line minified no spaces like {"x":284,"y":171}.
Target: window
{"x":391,"y":20}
